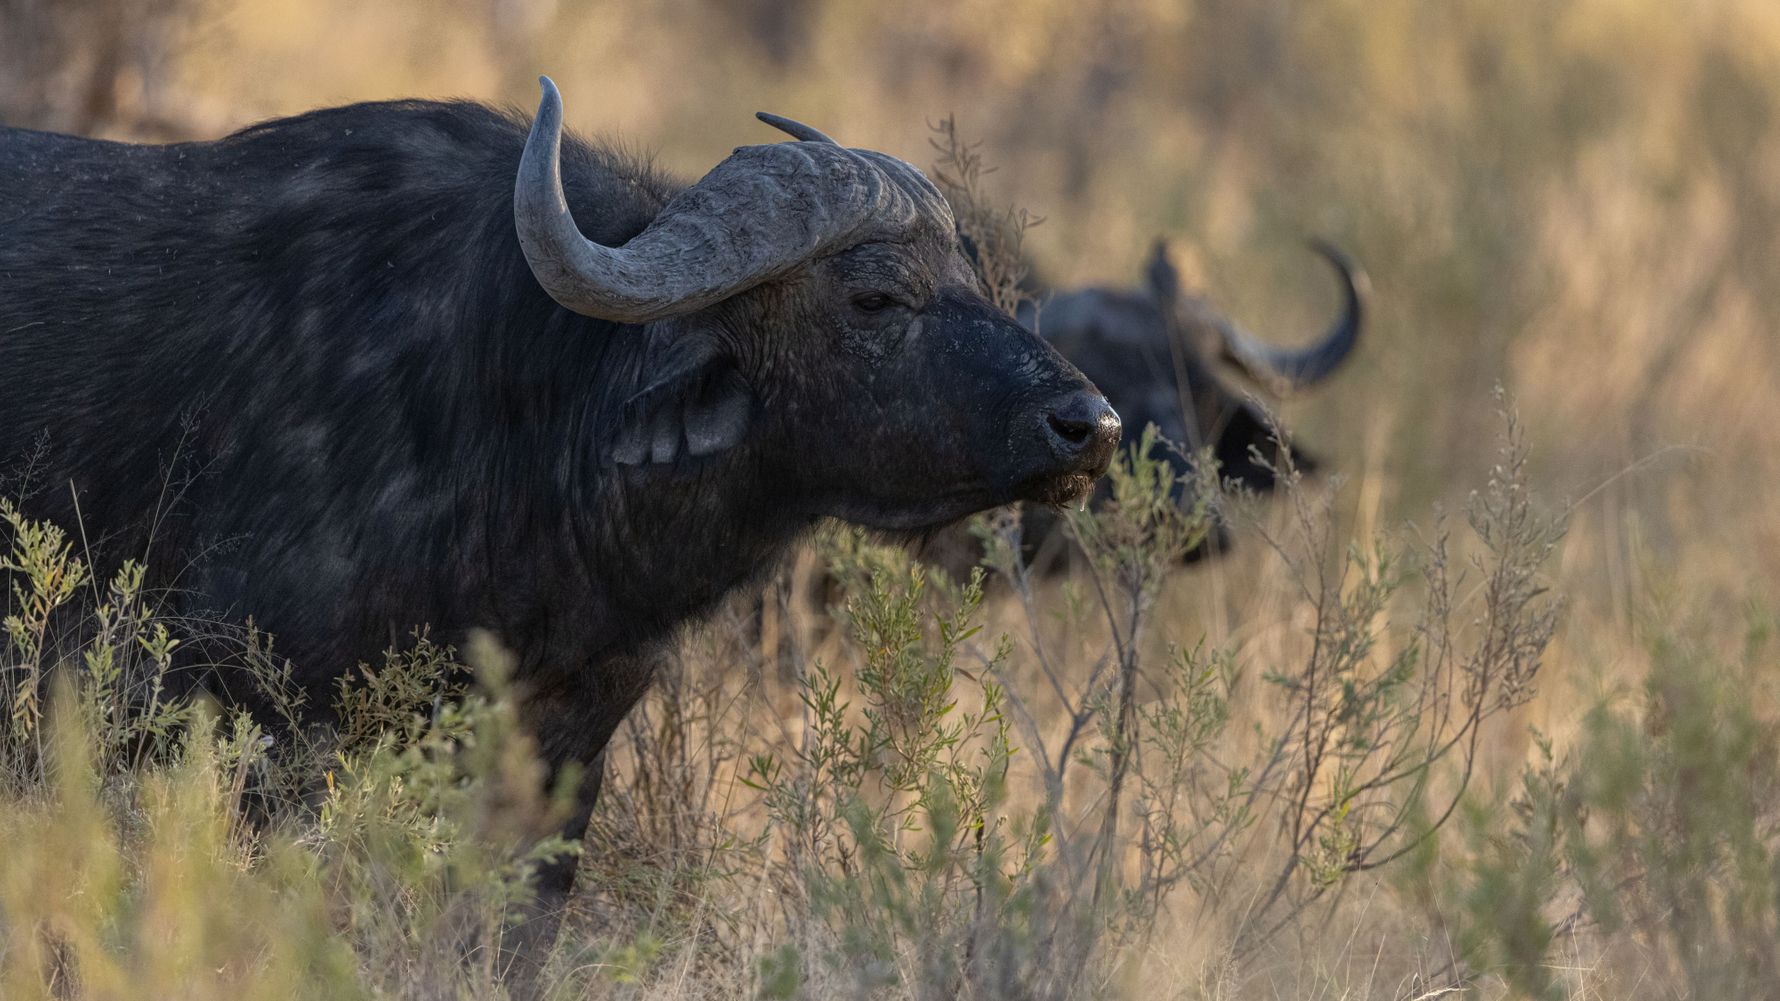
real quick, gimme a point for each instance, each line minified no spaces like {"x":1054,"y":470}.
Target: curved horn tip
{"x":1350,"y":270}
{"x":1289,"y":369}
{"x":795,"y":129}
{"x":550,"y":100}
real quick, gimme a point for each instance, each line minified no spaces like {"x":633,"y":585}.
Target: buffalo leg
{"x":572,"y":724}
{"x":529,"y":935}
{"x":556,"y":879}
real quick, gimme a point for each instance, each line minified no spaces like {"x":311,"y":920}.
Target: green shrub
{"x":1651,"y":841}
{"x":154,"y":890}
{"x":158,"y":849}
{"x":953,"y":811}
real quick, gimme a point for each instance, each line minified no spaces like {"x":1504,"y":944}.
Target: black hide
{"x":305,"y":372}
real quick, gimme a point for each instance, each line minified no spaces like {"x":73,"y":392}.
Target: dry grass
{"x":1578,"y":202}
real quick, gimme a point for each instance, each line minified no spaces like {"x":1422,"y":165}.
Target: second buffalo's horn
{"x":1288,"y":369}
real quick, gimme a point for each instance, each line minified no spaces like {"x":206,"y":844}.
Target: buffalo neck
{"x":638,"y":550}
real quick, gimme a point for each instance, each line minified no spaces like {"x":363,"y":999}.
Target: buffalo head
{"x":816,"y":312}
{"x":1155,"y":350}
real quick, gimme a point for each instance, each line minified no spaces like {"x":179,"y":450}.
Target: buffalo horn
{"x":1288,"y":369}
{"x":795,"y":129}
{"x":763,"y":211}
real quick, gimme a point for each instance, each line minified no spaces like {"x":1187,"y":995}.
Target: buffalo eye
{"x":873,"y":302}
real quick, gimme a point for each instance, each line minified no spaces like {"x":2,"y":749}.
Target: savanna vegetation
{"x":1487,"y":709}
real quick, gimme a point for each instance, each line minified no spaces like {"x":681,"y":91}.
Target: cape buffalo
{"x":1154,"y":352}
{"x":426,"y":368}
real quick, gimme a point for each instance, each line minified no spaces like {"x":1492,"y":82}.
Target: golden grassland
{"x":1576,"y":201}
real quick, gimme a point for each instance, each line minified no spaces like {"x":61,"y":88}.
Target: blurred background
{"x":1578,"y":200}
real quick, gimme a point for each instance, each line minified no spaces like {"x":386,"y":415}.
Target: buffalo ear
{"x":700,"y":406}
{"x":718,"y":417}
{"x":1162,"y":277}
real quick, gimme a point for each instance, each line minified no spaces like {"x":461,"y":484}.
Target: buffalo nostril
{"x":1071,"y":429}
{"x":1083,"y":429}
